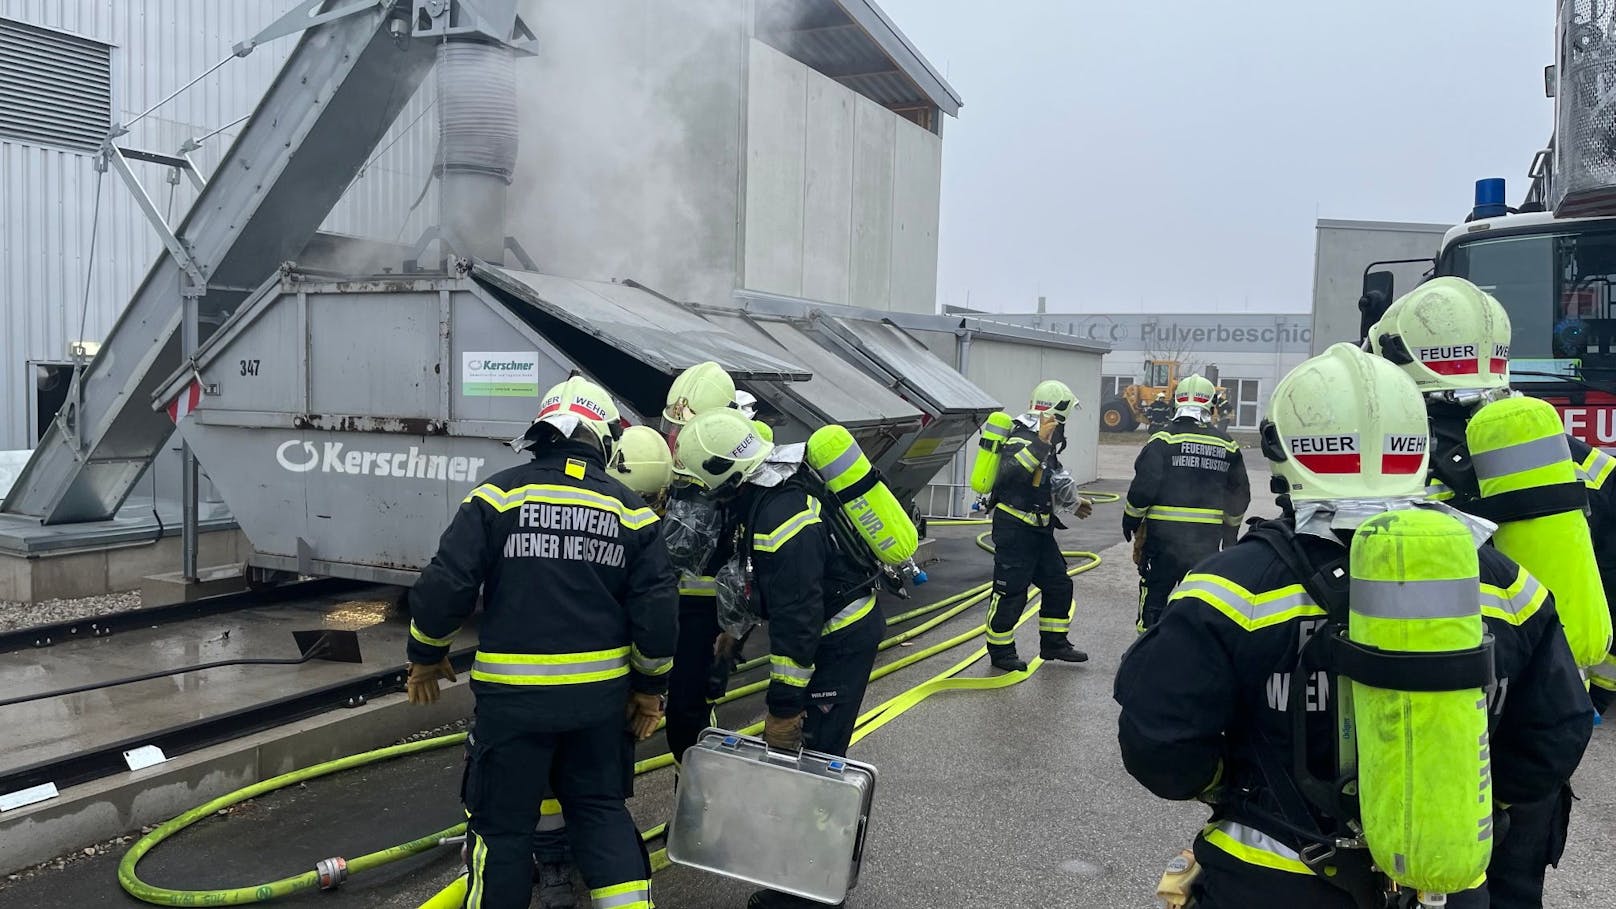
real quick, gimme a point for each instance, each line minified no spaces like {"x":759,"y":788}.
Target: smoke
{"x":629,"y":158}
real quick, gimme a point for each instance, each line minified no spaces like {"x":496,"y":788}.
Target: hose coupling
{"x":332,"y":872}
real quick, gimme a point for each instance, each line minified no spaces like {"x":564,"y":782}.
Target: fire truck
{"x":1551,"y":260}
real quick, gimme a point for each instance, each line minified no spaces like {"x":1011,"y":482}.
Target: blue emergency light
{"x":1489,"y":199}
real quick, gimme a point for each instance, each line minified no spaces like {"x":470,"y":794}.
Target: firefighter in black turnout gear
{"x":1188,"y":496}
{"x":1217,"y":707}
{"x":575,"y":644}
{"x":790,"y":569}
{"x":1453,"y":339}
{"x":1031,"y":483}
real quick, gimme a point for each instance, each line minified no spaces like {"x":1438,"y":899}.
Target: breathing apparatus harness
{"x":1297,"y":791}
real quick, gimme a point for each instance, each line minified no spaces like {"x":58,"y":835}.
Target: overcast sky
{"x":1174,"y":155}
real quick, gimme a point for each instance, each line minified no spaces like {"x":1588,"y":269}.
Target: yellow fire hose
{"x":454,"y":894}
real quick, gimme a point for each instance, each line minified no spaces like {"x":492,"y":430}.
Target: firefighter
{"x":1025,"y":551}
{"x":1213,"y":695}
{"x":642,"y":462}
{"x":554,"y":674}
{"x":1188,"y":496}
{"x":1159,"y":412}
{"x":1453,"y":340}
{"x":698,"y":548}
{"x":792,"y":571}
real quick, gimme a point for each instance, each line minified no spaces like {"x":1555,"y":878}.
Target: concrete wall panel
{"x":775,"y":169}
{"x":917,"y":172}
{"x":871,"y":279}
{"x":828,"y":192}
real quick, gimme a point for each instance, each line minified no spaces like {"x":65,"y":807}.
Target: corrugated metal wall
{"x":48,"y":195}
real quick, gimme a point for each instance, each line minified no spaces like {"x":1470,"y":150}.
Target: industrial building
{"x":1246,"y":353}
{"x":782,"y":155}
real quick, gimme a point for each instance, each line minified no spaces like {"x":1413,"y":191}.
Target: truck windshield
{"x":1558,"y":290}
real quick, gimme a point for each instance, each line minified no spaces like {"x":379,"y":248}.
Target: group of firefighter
{"x":1381,"y":695}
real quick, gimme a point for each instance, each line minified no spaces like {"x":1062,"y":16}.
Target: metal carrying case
{"x":793,"y":822}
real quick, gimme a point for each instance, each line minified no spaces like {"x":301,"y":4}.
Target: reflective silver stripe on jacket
{"x":559,"y":672}
{"x":1521,"y":457}
{"x":1422,"y":599}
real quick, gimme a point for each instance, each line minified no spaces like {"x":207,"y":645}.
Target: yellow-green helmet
{"x":1448,"y":335}
{"x":1054,"y":398}
{"x":1194,"y":391}
{"x":1347,"y":425}
{"x":703,"y":387}
{"x":578,"y":402}
{"x":719,"y":450}
{"x":642,"y":461}
{"x":764,"y":430}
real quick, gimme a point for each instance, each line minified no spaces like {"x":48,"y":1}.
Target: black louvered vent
{"x":55,"y":89}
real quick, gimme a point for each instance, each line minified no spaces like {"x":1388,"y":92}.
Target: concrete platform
{"x":47,"y":729}
{"x":986,"y":800}
{"x":39,"y":562}
{"x":173,"y":587}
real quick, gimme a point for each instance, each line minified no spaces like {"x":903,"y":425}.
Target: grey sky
{"x":1174,"y":155}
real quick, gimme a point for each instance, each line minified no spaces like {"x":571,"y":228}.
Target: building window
{"x":1246,"y":396}
{"x":56,"y":88}
{"x":1112,"y":386}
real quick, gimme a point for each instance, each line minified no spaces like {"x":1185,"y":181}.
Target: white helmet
{"x":1448,"y":335}
{"x":1347,"y":425}
{"x":746,"y":403}
{"x":703,"y":387}
{"x":643,"y":462}
{"x":720,"y":450}
{"x":1193,"y":395}
{"x":572,"y":404}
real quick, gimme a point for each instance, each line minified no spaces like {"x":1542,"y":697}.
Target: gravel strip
{"x":23,"y":615}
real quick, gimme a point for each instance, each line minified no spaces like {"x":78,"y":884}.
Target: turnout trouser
{"x":836,"y":690}
{"x":1159,"y":572}
{"x":515,"y":746}
{"x":1535,"y":840}
{"x":688,"y":712}
{"x":1024,"y":555}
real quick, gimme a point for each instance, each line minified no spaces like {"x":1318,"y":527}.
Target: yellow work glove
{"x":724,"y":646}
{"x":644,"y":712}
{"x":1085,"y":507}
{"x":422,"y":686}
{"x":1046,"y":427}
{"x":1139,"y":545}
{"x":783,"y":733}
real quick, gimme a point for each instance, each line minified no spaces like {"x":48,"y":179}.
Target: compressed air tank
{"x":866,"y":501}
{"x":986,"y":469}
{"x":1424,"y":780}
{"x":1529,"y":487}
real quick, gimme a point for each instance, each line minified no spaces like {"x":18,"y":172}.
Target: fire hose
{"x":331,"y":872}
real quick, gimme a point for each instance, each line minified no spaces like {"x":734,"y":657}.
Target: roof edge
{"x":903,"y":52}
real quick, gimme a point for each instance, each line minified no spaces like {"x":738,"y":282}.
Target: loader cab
{"x":1160,"y":374}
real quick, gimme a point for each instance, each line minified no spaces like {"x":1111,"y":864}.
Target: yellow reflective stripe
{"x":1596,"y":469}
{"x":1604,"y":674}
{"x":550,"y":818}
{"x":1233,"y":520}
{"x":787,"y":671}
{"x":1028,"y":517}
{"x":1438,"y":491}
{"x":1054,"y":624}
{"x":780,"y":536}
{"x":849,"y":614}
{"x":696,"y":585}
{"x":503,"y":500}
{"x":427,"y":639}
{"x":645,"y":665}
{"x":631,"y":895}
{"x":1254,"y":847}
{"x":1246,"y":609}
{"x":1516,"y":603}
{"x":1132,"y":512}
{"x":1185,"y":515}
{"x":998,"y":637}
{"x":1522,"y":457}
{"x":1026,"y":459}
{"x":551,"y":668}
{"x":549,"y":806}
{"x":1176,"y":438}
{"x":479,"y":862}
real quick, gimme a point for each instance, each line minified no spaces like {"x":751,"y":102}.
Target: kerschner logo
{"x":335,"y":457}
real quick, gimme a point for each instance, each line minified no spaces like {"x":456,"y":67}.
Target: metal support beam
{"x":176,"y":247}
{"x":189,"y":329}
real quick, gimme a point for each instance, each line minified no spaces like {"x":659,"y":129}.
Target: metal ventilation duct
{"x":476,"y":146}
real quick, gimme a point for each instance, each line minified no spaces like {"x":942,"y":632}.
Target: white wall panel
{"x":871,"y":277}
{"x":917,"y":172}
{"x":827,"y":192}
{"x":776,"y":117}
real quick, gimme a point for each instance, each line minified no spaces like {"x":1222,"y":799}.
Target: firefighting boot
{"x":774,"y":899}
{"x":1054,"y":646}
{"x":1004,"y":657}
{"x":554,"y":880}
